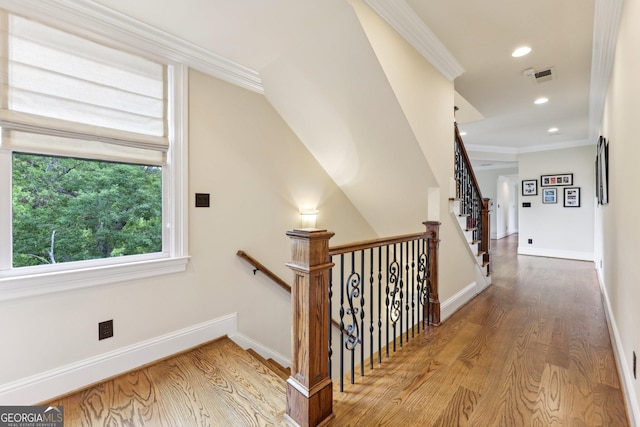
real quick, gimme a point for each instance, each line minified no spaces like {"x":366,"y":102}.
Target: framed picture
{"x":555,"y":180}
{"x":602,"y":171}
{"x":572,"y":197}
{"x":529,"y":187}
{"x":549,"y":195}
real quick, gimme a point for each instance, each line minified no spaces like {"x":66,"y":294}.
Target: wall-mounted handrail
{"x":259,"y":267}
{"x":271,"y":275}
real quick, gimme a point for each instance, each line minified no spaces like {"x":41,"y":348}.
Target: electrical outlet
{"x":105,"y":329}
{"x":530,"y":241}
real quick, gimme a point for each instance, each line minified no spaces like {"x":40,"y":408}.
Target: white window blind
{"x":92,"y":99}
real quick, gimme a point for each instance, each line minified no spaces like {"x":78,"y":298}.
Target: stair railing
{"x":384,"y":291}
{"x":472,"y":204}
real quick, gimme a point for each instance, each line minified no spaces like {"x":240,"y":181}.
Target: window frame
{"x":124,"y":34}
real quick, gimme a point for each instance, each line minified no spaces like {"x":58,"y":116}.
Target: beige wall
{"x":618,"y":229}
{"x":259,"y":175}
{"x":558,"y":231}
{"x":426,"y":98}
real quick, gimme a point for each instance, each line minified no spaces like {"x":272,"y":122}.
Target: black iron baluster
{"x":407,"y":278}
{"x":362,"y":314}
{"x":387,"y":302}
{"x":413,"y":289}
{"x":428,"y":280}
{"x":371,"y":328}
{"x":395,"y":310}
{"x":353,"y":330}
{"x":379,"y":304}
{"x":402,"y":279}
{"x":342,"y":291}
{"x":330,"y":314}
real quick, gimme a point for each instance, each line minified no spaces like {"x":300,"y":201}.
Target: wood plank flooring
{"x":217,"y":384}
{"x":531,"y":350}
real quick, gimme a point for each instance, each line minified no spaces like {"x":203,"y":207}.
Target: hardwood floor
{"x":217,"y":384}
{"x":531,"y":350}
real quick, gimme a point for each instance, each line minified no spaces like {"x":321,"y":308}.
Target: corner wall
{"x":426,"y":98}
{"x":558,"y":231}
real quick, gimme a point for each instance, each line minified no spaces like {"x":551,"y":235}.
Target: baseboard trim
{"x":633,"y":408}
{"x":56,"y":382}
{"x":457,"y":301}
{"x":553,"y":253}
{"x":245,"y":342}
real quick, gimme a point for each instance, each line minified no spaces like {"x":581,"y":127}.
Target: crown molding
{"x":606,"y":24}
{"x":491,"y":149}
{"x":531,"y":149}
{"x":510,"y":165}
{"x":408,"y":24}
{"x":556,"y":146}
{"x":87,"y":17}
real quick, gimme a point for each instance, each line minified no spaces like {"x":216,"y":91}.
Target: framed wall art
{"x":555,"y":180}
{"x":529,"y":187}
{"x":549,"y":195}
{"x":572,"y":197}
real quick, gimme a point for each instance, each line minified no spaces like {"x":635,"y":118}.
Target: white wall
{"x":617,"y":226}
{"x":557,"y":231}
{"x":258,"y":174}
{"x":498,"y":185}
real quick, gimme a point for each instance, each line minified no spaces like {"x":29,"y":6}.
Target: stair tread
{"x":274,"y":366}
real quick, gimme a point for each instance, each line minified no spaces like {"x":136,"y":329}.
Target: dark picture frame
{"x":555,"y":180}
{"x":549,"y":195}
{"x":602,"y":171}
{"x":529,"y":187}
{"x":572,"y":197}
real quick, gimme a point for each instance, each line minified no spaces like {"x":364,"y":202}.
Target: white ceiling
{"x":479,"y":35}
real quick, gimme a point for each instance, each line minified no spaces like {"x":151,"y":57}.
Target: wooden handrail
{"x":485,"y":223}
{"x":259,"y":267}
{"x":467,"y":161}
{"x":271,"y":275}
{"x":373,"y":243}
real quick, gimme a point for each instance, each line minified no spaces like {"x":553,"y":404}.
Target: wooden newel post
{"x":309,"y":388}
{"x":486,"y":234}
{"x":433,"y":235}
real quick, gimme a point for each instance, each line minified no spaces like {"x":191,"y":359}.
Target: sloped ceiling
{"x":480,"y":35}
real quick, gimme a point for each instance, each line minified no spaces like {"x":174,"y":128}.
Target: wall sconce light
{"x":308,"y":218}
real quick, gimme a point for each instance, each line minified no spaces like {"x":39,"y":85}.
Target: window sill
{"x":45,"y":283}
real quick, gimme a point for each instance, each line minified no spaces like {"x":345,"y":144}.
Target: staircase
{"x":472,"y":212}
{"x":216,"y":384}
{"x":483,"y":274}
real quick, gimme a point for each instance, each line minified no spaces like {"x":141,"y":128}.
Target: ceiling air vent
{"x":541,"y":76}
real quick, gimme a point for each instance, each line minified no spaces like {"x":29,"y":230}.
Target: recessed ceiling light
{"x":553,"y":130}
{"x":521,"y":51}
{"x":463,"y":133}
{"x":542,"y":100}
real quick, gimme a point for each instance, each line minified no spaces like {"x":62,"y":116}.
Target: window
{"x":91,"y":162}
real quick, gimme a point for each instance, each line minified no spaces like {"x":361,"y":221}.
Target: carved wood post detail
{"x":309,"y":388}
{"x":433,"y":234}
{"x":486,"y":235}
